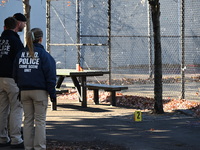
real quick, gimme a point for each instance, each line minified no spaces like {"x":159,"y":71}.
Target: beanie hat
{"x":19,"y":17}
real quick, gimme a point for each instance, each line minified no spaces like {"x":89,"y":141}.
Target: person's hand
{"x":19,"y":96}
{"x":53,"y":99}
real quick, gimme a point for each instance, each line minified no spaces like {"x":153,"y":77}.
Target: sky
{"x":38,"y":14}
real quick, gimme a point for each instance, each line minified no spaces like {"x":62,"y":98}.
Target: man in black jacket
{"x":21,"y":22}
{"x":10,"y":105}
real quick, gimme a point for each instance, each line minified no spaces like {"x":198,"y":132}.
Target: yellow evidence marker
{"x":138,"y":116}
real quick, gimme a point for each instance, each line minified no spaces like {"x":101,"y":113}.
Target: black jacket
{"x":10,"y":45}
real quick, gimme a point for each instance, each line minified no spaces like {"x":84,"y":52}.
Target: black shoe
{"x":21,"y":145}
{"x":5,"y":144}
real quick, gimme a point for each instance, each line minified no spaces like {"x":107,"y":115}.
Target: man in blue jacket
{"x":10,"y":105}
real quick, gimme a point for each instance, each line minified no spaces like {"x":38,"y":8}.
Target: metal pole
{"x":109,"y":39}
{"x":150,"y":41}
{"x":65,"y":49}
{"x":183,"y":48}
{"x":48,"y":25}
{"x":78,"y":31}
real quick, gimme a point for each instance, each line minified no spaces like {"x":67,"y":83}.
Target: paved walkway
{"x":170,"y":131}
{"x":116,"y":126}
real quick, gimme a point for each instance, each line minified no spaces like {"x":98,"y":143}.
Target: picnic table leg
{"x":58,"y":84}
{"x":96,"y":96}
{"x":77,"y":85}
{"x":60,"y":81}
{"x":113,"y":98}
{"x":83,"y":91}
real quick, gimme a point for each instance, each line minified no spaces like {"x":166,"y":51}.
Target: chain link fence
{"x":117,"y":35}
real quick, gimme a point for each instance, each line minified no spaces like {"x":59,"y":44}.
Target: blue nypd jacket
{"x":10,"y":45}
{"x":38,"y":73}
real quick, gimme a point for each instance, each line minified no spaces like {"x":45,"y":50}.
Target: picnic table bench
{"x":110,"y":88}
{"x":64,"y":88}
{"x":61,"y":90}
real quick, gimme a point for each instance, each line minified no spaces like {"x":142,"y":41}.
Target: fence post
{"x":48,"y":25}
{"x":109,"y":39}
{"x":183,"y":48}
{"x":150,"y":41}
{"x":78,"y":32}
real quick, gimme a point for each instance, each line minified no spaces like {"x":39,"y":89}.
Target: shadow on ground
{"x":97,"y":125}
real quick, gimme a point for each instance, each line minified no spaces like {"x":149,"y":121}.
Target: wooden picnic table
{"x":79,"y":79}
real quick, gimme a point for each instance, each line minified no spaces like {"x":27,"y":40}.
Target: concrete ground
{"x":170,"y":131}
{"x":115,"y":125}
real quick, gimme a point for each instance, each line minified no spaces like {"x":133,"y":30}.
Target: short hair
{"x":10,"y":23}
{"x":20,"y":17}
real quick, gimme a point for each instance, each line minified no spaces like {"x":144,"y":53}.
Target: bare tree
{"x":26,"y":10}
{"x":155,"y":11}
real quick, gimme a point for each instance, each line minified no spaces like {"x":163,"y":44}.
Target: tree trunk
{"x":155,"y":8}
{"x":26,"y":10}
